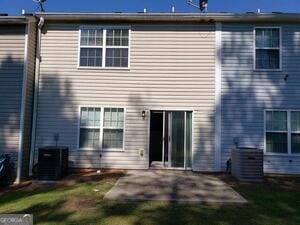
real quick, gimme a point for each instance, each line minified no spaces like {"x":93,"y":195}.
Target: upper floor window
{"x":267,"y":48}
{"x":104,"y":47}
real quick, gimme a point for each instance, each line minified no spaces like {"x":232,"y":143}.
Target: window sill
{"x":101,"y":150}
{"x":267,"y":70}
{"x":282,"y":154}
{"x":112,"y":150}
{"x":104,"y":68}
{"x":88,"y":149}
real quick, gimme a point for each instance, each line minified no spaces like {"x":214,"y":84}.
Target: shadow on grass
{"x":78,"y":204}
{"x":47,"y":213}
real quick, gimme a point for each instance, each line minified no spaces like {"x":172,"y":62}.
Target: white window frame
{"x":104,"y":47}
{"x":101,"y":128}
{"x":88,"y":127}
{"x":280,"y":47}
{"x":288,"y":131}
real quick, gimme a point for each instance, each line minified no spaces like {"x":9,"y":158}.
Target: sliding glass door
{"x":178,"y":139}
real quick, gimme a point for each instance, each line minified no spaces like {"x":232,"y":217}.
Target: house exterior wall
{"x":171,"y":67}
{"x":247,"y":93}
{"x":12,"y":42}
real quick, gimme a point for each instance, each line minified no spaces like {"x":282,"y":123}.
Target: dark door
{"x":156,"y":136}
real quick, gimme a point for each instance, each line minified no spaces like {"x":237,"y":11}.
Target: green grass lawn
{"x":79,"y":201}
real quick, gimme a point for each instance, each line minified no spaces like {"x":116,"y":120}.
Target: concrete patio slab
{"x":169,"y":185}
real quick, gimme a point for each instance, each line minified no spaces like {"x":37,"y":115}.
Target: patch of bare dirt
{"x":73,"y":178}
{"x":90,"y":176}
{"x":76,"y":204}
{"x":271,"y":182}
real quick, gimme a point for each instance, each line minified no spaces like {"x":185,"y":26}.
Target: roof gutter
{"x":36,"y":90}
{"x":173,"y":17}
{"x":17,"y":19}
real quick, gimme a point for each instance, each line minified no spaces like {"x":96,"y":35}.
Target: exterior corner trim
{"x":218,"y":95}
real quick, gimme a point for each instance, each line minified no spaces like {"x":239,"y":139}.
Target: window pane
{"x":267,"y":59}
{"x":267,"y":38}
{"x":114,"y":117}
{"x":99,"y":38}
{"x":91,"y":37}
{"x":91,"y":57}
{"x":83,"y":61}
{"x":124,"y":62}
{"x":276,"y":121}
{"x":276,"y":142}
{"x":84,"y":37}
{"x":89,"y":138}
{"x":295,"y":121}
{"x":107,"y":117}
{"x":275,"y":40}
{"x":90,"y":117}
{"x":120,"y":117}
{"x":109,"y":62}
{"x":116,"y":57}
{"x":125,"y":37}
{"x":109,"y":37}
{"x":259,"y":43}
{"x":83,"y":40}
{"x":295,"y":143}
{"x":112,"y":138}
{"x":83,"y":117}
{"x":117,"y":37}
{"x":271,"y":38}
{"x":97,"y":117}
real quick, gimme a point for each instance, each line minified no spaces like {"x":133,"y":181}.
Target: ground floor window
{"x":282,"y":131}
{"x":101,"y":128}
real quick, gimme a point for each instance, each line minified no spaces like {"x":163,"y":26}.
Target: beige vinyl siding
{"x":11,"y":71}
{"x":28,"y":98}
{"x":171,"y":67}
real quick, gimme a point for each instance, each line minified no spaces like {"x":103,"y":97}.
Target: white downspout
{"x":23,"y":107}
{"x":36,"y":91}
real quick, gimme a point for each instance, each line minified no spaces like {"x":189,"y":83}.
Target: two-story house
{"x":167,"y":90}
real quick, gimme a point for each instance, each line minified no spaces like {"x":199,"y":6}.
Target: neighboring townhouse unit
{"x":17,"y":64}
{"x":261,"y":89}
{"x":142,"y":91}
